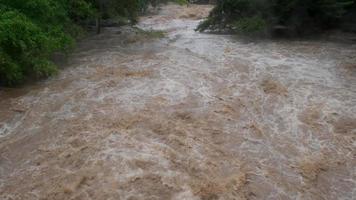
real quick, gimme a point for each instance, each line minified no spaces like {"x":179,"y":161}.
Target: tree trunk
{"x":98,"y":19}
{"x":98,"y":25}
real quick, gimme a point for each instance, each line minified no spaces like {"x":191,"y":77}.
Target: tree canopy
{"x":31,"y":31}
{"x":297,"y":17}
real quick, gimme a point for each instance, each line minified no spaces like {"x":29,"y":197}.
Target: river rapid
{"x":188,"y":116}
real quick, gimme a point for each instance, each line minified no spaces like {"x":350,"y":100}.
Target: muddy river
{"x":188,"y":116}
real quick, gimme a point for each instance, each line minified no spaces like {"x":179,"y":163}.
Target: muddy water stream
{"x":188,"y":116}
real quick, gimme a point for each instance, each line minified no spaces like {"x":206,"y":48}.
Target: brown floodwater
{"x":188,"y":116}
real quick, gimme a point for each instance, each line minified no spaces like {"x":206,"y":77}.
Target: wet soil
{"x":188,"y":116}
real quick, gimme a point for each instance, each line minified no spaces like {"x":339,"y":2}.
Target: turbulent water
{"x":188,"y":116}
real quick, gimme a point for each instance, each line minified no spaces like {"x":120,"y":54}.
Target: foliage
{"x":32,"y":30}
{"x":150,"y":33}
{"x":248,"y":25}
{"x":25,"y":47}
{"x":299,"y":17}
{"x":348,"y":22}
{"x":181,"y":2}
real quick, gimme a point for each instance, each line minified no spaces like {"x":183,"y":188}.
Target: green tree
{"x":299,"y":17}
{"x":28,"y":36}
{"x":32,"y":30}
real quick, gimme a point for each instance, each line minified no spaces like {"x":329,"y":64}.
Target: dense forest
{"x":31,"y":31}
{"x":287,"y":17}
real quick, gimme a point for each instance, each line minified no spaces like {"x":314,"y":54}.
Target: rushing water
{"x":189,"y":116}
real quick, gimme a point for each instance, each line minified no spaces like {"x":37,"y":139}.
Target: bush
{"x":181,"y":2}
{"x":300,"y":17}
{"x":32,"y":30}
{"x":250,"y":25}
{"x":25,"y":48}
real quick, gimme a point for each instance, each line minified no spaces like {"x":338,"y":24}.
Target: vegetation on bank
{"x":288,"y":17}
{"x":32,"y":31}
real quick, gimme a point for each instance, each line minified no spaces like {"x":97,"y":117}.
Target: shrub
{"x":298,"y":16}
{"x":181,"y":2}
{"x":25,"y":48}
{"x":32,"y":30}
{"x":250,"y":25}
